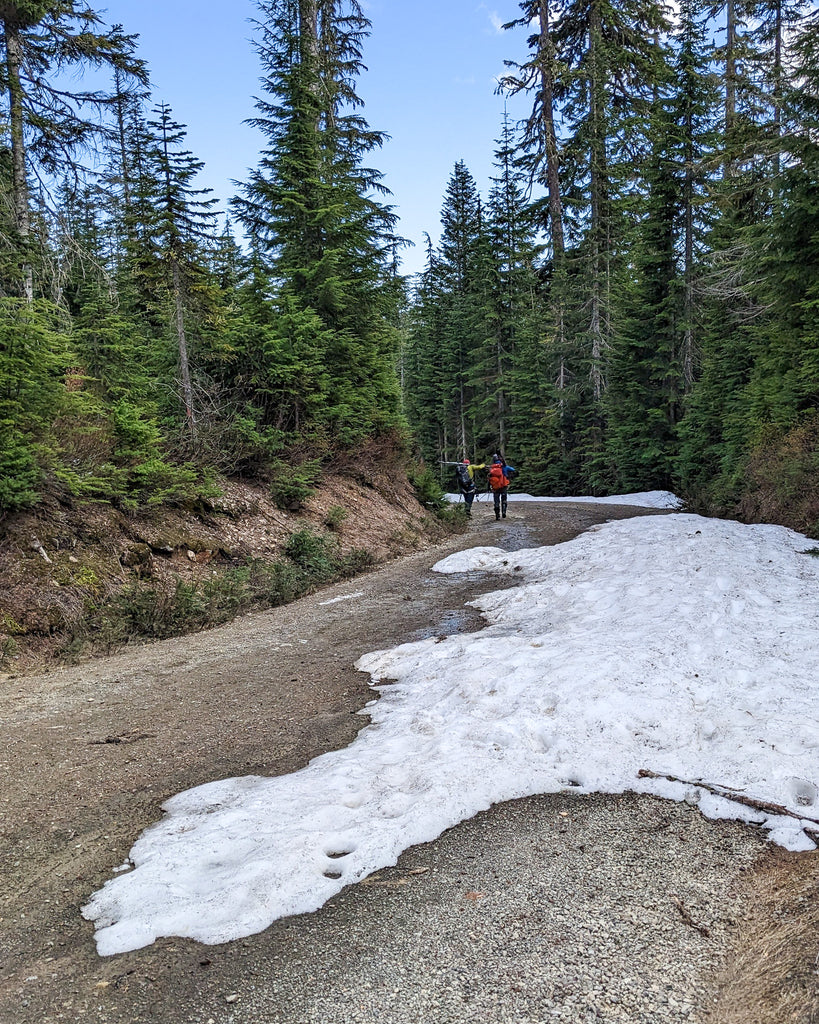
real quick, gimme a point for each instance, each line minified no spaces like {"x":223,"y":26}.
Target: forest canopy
{"x":632,"y":305}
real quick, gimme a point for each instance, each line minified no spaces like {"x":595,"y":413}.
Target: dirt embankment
{"x":66,"y":571}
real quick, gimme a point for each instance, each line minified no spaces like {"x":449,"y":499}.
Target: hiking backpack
{"x":462,"y":476}
{"x":497,"y":477}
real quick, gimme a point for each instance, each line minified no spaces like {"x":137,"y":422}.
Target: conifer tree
{"x":313,"y":207}
{"x":49,"y":125}
{"x":692,"y":122}
{"x":544,"y":75}
{"x":540,"y":75}
{"x":177,"y":227}
{"x":516,"y":302}
{"x":424,"y":381}
{"x":459,"y":269}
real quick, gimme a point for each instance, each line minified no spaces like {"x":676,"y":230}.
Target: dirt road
{"x":89,"y":754}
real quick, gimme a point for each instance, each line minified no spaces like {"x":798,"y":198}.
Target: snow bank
{"x":644,"y":499}
{"x":677,"y":645}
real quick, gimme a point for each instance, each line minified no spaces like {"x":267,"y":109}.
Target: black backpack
{"x":462,"y":475}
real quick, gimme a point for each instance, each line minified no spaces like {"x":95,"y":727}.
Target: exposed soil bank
{"x":77,"y":580}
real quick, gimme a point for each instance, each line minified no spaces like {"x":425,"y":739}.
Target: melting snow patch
{"x":672,"y":655}
{"x":343,"y":597}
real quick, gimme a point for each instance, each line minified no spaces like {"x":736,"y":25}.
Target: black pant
{"x":469,"y":497}
{"x":499,"y":497}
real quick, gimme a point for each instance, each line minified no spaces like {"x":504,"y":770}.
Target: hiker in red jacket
{"x":499,"y":474}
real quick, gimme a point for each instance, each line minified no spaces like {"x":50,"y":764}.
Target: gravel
{"x":559,"y":908}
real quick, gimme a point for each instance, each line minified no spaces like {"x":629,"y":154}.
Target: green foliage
{"x":336,"y":515}
{"x":314,"y":555}
{"x":8,"y":651}
{"x":20,"y":476}
{"x":292,"y":486}
{"x":34,"y":357}
{"x":781,"y":476}
{"x":428,"y":489}
{"x":141,"y":610}
{"x":313,"y":212}
{"x":665,"y":337}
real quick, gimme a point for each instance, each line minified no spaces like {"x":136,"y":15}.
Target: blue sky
{"x":430,"y":86}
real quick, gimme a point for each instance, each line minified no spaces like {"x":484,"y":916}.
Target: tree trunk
{"x":777,"y":91}
{"x":22,"y":213}
{"x":688,"y":270}
{"x":182,"y":343}
{"x":730,"y":83}
{"x":462,"y":420}
{"x":309,"y":40}
{"x":125,"y":169}
{"x":597,"y":184}
{"x":501,"y":398}
{"x":546,"y":56}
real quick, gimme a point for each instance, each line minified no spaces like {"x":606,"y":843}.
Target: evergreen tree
{"x":177,"y":227}
{"x":541,"y":75}
{"x":515,"y":302}
{"x":313,"y":209}
{"x":694,"y":141}
{"x":47,"y":123}
{"x":454,"y":328}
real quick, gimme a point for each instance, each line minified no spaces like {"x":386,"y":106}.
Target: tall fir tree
{"x":49,"y":124}
{"x":177,"y":229}
{"x":313,"y":208}
{"x":516,"y":304}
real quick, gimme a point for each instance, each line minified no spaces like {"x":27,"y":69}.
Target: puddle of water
{"x":516,"y":537}
{"x":512,"y":537}
{"x":451,"y":622}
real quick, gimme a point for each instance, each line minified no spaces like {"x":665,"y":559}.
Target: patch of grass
{"x":770,"y":973}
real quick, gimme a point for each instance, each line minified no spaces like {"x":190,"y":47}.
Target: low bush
{"x":145,"y":611}
{"x":292,"y":486}
{"x":335,"y":517}
{"x":428,"y":489}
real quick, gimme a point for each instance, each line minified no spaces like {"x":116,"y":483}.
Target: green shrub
{"x":314,"y":555}
{"x":141,"y":610}
{"x":292,"y":486}
{"x":356,"y":562}
{"x":8,"y":651}
{"x":335,"y":517}
{"x":19,"y":473}
{"x":428,"y":489}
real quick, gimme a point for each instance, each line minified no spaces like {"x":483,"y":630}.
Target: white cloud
{"x":495,"y":19}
